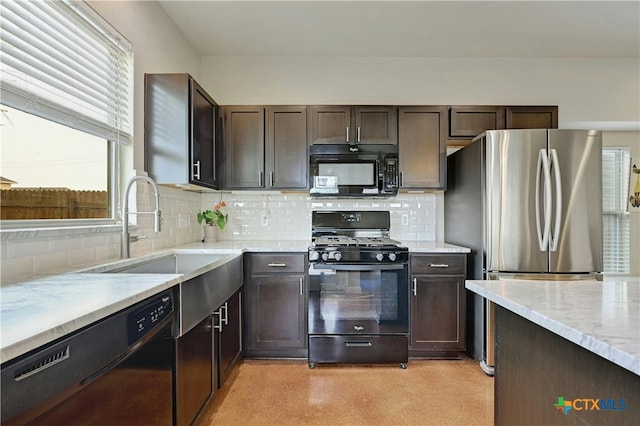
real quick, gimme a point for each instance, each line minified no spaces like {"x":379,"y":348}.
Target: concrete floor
{"x":428,"y":392}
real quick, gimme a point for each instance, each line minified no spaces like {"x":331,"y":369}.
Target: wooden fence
{"x":53,"y":204}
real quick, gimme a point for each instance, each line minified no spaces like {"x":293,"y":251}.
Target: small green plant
{"x":215,"y":217}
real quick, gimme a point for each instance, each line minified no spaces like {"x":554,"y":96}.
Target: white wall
{"x":584,"y":89}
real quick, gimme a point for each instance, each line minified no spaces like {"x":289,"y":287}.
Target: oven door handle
{"x":358,"y":267}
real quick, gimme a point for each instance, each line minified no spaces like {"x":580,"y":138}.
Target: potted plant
{"x":213,"y":219}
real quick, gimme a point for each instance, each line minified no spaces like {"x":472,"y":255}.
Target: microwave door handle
{"x":347,"y":134}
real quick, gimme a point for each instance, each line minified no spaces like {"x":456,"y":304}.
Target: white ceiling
{"x":579,"y":29}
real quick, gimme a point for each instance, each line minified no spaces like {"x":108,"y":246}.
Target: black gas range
{"x":359,"y":297}
{"x":354,"y":236}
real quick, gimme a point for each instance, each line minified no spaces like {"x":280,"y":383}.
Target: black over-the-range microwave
{"x":353,"y":171}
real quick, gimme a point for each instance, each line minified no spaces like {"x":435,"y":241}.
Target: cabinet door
{"x":287,"y":163}
{"x":422,"y":147}
{"x":194,"y":374}
{"x":244,"y":147}
{"x":229,"y":336}
{"x":532,"y":117}
{"x":376,"y":125}
{"x":330,"y":124}
{"x":437,"y":317}
{"x":470,"y":121}
{"x":277,"y":312}
{"x":203,"y":131}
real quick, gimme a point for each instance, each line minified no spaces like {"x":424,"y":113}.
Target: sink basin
{"x":179,"y":263}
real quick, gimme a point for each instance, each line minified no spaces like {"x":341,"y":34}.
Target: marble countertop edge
{"x":585,"y":340}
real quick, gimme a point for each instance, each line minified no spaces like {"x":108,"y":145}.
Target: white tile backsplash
{"x":288,"y":215}
{"x":252,"y":216}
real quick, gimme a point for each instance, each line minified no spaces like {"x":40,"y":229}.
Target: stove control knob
{"x":325,"y":256}
{"x":337,"y":256}
{"x":392,"y":257}
{"x":314,"y":255}
{"x":379,"y":257}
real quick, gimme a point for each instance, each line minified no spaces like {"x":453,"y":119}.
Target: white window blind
{"x":61,"y":61}
{"x":615,"y":189}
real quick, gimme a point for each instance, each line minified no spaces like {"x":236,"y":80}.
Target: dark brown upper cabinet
{"x":335,"y":124}
{"x":265,"y":153}
{"x":286,"y":163}
{"x":244,"y":147}
{"x":422,"y":146}
{"x":467,"y":122}
{"x":470,"y":121}
{"x":180,"y":128}
{"x":532,"y":117}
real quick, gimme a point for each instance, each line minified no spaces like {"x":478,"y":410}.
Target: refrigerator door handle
{"x":543,"y":167}
{"x":558,"y":202}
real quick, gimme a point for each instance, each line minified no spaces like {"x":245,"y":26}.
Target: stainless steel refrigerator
{"x":529,"y":205}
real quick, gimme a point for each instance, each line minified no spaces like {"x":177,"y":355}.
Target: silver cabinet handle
{"x":415,"y":287}
{"x":438,"y":265}
{"x":276,"y":265}
{"x":301,"y":285}
{"x":219,"y":314}
{"x":358,"y":132}
{"x":347,"y":134}
{"x":271,"y":178}
{"x":260,"y":178}
{"x":196,"y":173}
{"x":400,"y":183}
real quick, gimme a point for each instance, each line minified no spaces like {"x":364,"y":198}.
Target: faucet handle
{"x":134,"y":238}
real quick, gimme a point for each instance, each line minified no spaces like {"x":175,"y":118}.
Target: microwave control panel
{"x":390,"y":178}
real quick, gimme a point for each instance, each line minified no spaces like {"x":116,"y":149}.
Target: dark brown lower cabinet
{"x":194,"y":374}
{"x":438,"y":306}
{"x":276,"y":306}
{"x":228,"y":336}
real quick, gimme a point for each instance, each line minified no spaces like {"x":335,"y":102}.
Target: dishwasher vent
{"x":42,"y":363}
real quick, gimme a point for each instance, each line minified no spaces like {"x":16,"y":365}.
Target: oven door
{"x":358,"y":299}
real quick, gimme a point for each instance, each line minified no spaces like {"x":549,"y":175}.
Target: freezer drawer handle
{"x":277,"y":265}
{"x":438,"y":265}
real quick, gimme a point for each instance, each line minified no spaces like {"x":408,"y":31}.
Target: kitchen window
{"x":66,"y":111}
{"x":616,"y":164}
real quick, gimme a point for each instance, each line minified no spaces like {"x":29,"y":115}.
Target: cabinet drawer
{"x":261,"y":263}
{"x":439,"y":264}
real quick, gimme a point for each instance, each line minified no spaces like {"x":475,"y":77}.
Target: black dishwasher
{"x":118,"y":371}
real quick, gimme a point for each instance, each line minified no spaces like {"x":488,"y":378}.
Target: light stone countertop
{"x":41,"y":309}
{"x":434,"y":247}
{"x":37,"y":312}
{"x":601,"y":316}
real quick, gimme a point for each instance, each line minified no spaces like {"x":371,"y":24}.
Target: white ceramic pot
{"x":210,"y":234}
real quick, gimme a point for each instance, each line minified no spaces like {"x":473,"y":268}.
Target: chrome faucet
{"x":126,"y":239}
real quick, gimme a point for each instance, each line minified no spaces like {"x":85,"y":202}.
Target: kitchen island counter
{"x":600,"y":316}
{"x":567,"y":352}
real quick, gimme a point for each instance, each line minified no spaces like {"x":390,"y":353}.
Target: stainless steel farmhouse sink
{"x":175,"y":263}
{"x":208,"y":279}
